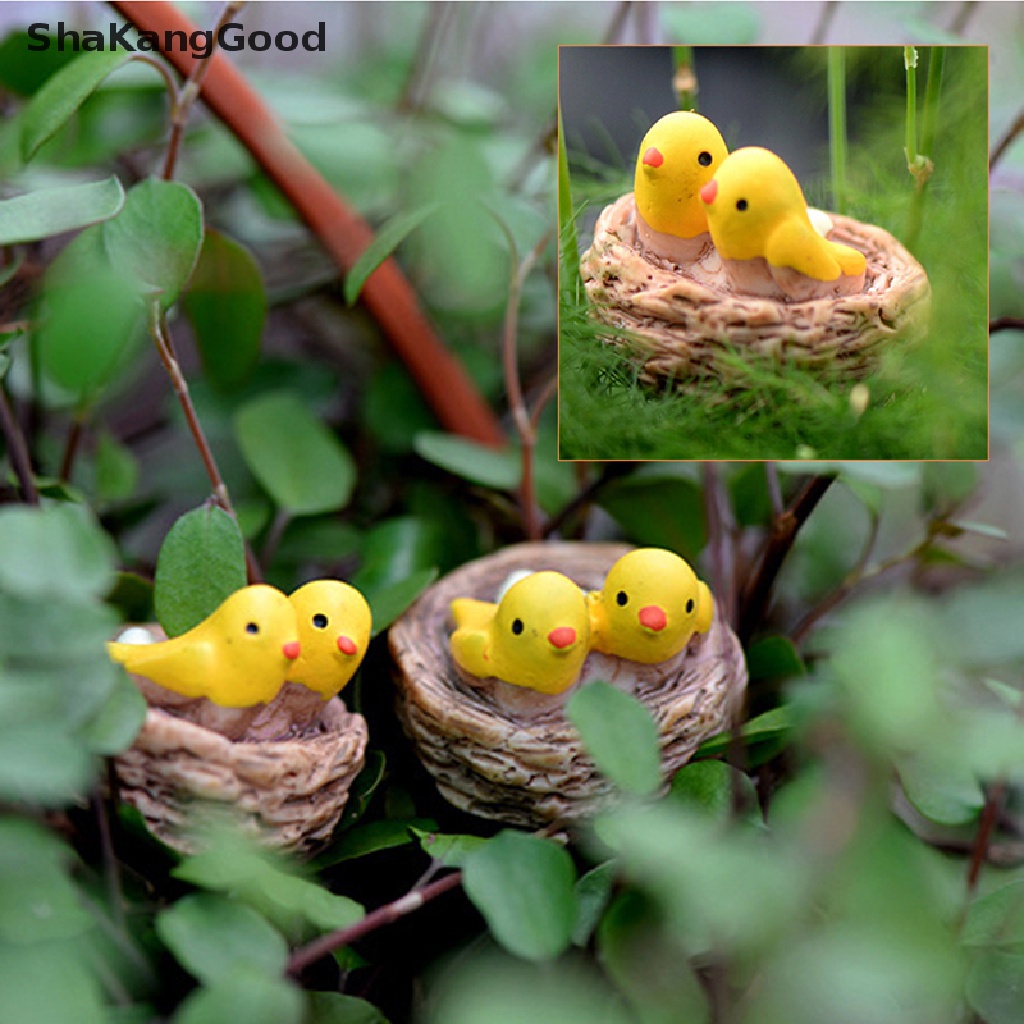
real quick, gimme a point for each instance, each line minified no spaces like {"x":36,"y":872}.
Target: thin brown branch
{"x":610,"y":471}
{"x":771,"y":472}
{"x":71,"y":446}
{"x":994,"y":800}
{"x":828,"y":13}
{"x":963,"y":16}
{"x":785,"y":528}
{"x":111,"y":870}
{"x":17,"y":450}
{"x":718,"y":513}
{"x":438,"y":24}
{"x":1006,"y":141}
{"x":617,"y":24}
{"x":189,"y":92}
{"x":344,"y":234}
{"x":379,"y":918}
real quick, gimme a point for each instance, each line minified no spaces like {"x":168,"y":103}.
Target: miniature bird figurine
{"x":756,"y":211}
{"x":239,"y":656}
{"x":649,"y":607}
{"x":334,"y":629}
{"x":677,"y":156}
{"x":537,"y":636}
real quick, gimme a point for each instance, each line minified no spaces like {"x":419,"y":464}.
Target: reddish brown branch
{"x":17,"y":451}
{"x":343,"y":233}
{"x":378,"y":918}
{"x":979,"y":852}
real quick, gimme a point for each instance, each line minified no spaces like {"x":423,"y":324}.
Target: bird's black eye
{"x":704,"y":159}
{"x":320,"y":620}
{"x":689,"y":605}
{"x":517,"y":627}
{"x":741,"y":204}
{"x":621,"y":599}
{"x":252,"y":628}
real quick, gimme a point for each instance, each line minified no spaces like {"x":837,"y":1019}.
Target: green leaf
{"x":40,"y":764}
{"x":943,"y":789}
{"x":211,"y":936}
{"x":334,"y":1008}
{"x":471,"y":460}
{"x":294,"y":456}
{"x":387,"y":603}
{"x":90,"y":324}
{"x":995,"y":987}
{"x":658,"y":511}
{"x":29,"y":995}
{"x":395,"y":549}
{"x":384,"y":834}
{"x":771,"y":728}
{"x":450,"y":850}
{"x":387,"y":239}
{"x":157,"y":237}
{"x":245,"y":996}
{"x":64,"y":92}
{"x":201,"y":564}
{"x":227,"y":306}
{"x":117,"y":469}
{"x":707,"y":786}
{"x":118,"y":721}
{"x":593,"y":892}
{"x":53,"y":211}
{"x":363,"y":788}
{"x":523,"y":886}
{"x":996,"y":918}
{"x":620,"y":735}
{"x":774,"y":657}
{"x":54,"y":551}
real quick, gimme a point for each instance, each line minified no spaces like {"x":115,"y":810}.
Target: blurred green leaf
{"x":246,"y":994}
{"x":774,"y":657}
{"x":227,"y":306}
{"x":363,"y":787}
{"x":523,"y":886}
{"x":211,"y":935}
{"x":385,"y":242}
{"x":620,"y":735}
{"x":394,"y":408}
{"x":118,"y":721}
{"x":664,"y":511}
{"x":995,"y":986}
{"x":62,"y":94}
{"x":652,"y":974}
{"x":711,"y":24}
{"x":335,"y":1008}
{"x":53,"y":211}
{"x":471,"y":460}
{"x":28,"y":994}
{"x":24,"y":71}
{"x":996,"y":918}
{"x":707,"y":786}
{"x":772,"y":728}
{"x":943,"y":789}
{"x":946,"y":484}
{"x":384,"y":834}
{"x":748,"y":491}
{"x":41,"y":764}
{"x":389,"y":602}
{"x":117,"y":470}
{"x":302,"y":465}
{"x":201,"y":564}
{"x":393,"y":551}
{"x":55,"y":552}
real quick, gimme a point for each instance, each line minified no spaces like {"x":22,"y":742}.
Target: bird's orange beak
{"x":562,"y":637}
{"x":653,"y":617}
{"x":709,"y":191}
{"x":653,"y":157}
{"x":347,"y":645}
{"x":292,"y":650}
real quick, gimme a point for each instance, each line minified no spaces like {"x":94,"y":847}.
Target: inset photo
{"x":773,"y":253}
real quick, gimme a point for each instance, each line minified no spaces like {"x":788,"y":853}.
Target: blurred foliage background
{"x":854,"y":853}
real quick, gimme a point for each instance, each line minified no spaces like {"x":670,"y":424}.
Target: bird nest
{"x":289,"y":792}
{"x":685,"y":322}
{"x":503,"y":752}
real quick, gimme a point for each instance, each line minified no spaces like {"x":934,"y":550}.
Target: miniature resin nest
{"x":290,"y":791}
{"x":490,"y":759}
{"x":681,"y":321}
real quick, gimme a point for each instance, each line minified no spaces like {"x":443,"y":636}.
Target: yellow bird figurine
{"x":537,"y":636}
{"x":677,"y":156}
{"x":238,"y":656}
{"x":756,"y":211}
{"x":649,"y":607}
{"x":334,"y":628}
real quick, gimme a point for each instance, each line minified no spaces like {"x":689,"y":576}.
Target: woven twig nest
{"x":681,"y":320}
{"x":288,"y":792}
{"x":494,"y":755}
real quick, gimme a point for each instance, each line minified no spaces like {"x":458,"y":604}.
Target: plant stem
{"x":189,"y":92}
{"x":1006,"y":323}
{"x":388,"y":914}
{"x":979,"y":852}
{"x":343,"y":233}
{"x":165,"y":348}
{"x":922,"y":165}
{"x":720,"y":525}
{"x":783,"y":533}
{"x":1006,"y":141}
{"x":610,"y":471}
{"x":71,"y":446}
{"x":17,"y":450}
{"x":828,"y":12}
{"x":910,"y":137}
{"x":837,"y":124}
